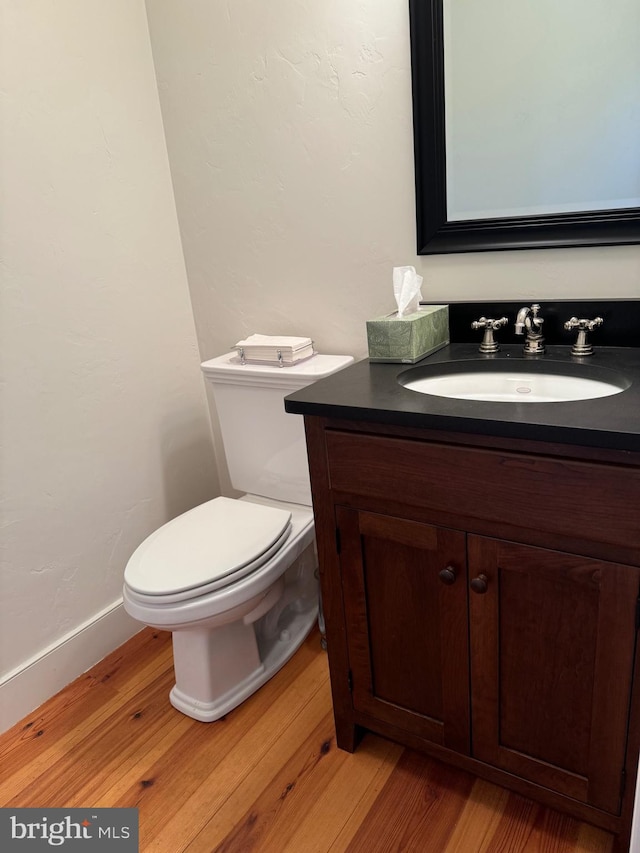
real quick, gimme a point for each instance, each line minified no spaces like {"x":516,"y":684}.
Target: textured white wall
{"x":104,"y":424}
{"x":289,"y":132}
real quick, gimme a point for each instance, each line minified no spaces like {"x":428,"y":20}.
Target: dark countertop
{"x":371,"y":393}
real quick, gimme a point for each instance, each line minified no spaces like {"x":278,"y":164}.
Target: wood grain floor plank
{"x":75,"y":713}
{"x":267,"y":778}
{"x":360,"y":776}
{"x":515,"y":826}
{"x":45,"y":728}
{"x":212,"y":759}
{"x":220,"y":800}
{"x":140,"y":770}
{"x":359,"y":814}
{"x":121,"y":668}
{"x":85,"y":761}
{"x":551,"y":833}
{"x":590,"y":839}
{"x":416,"y":810}
{"x":479,"y":819}
{"x":268,"y":822}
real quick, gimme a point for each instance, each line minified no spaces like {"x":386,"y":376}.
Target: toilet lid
{"x":215,"y":540}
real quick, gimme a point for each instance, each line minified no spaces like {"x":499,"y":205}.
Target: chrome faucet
{"x":529,"y":320}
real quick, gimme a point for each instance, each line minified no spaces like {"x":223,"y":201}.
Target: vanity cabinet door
{"x":552,"y":647}
{"x":405,"y":599}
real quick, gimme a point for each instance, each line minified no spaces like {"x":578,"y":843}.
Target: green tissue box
{"x":408,"y":339}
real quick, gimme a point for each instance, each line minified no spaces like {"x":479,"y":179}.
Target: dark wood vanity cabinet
{"x":407,"y":631}
{"x":481,"y":601}
{"x":552,"y":645}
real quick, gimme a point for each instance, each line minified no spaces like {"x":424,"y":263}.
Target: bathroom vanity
{"x":480,"y":573}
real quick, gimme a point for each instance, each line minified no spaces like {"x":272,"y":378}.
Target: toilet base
{"x":291,"y":637}
{"x":221,"y":662}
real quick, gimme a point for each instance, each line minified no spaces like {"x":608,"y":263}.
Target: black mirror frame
{"x":436,"y":235}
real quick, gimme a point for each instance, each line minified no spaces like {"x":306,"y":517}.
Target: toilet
{"x":235,"y":579}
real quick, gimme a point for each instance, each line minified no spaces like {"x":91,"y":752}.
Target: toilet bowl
{"x":231,"y":633}
{"x":235,"y":579}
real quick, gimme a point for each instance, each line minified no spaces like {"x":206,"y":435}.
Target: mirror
{"x":526,"y":123}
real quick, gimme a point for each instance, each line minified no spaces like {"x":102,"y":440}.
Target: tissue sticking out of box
{"x":406,"y":290}
{"x":274,"y":349}
{"x":414,"y":330}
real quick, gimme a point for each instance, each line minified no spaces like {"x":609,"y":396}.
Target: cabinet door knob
{"x":480,"y":584}
{"x":447,"y":575}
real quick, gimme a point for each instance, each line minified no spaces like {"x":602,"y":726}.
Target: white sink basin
{"x":516,"y":386}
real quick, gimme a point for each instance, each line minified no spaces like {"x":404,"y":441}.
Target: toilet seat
{"x":207,"y":548}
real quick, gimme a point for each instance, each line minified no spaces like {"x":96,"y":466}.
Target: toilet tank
{"x":265,"y":446}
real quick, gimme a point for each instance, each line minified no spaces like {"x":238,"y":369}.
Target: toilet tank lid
{"x":210,"y":541}
{"x":229,"y":368}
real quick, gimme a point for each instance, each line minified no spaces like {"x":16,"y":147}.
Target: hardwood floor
{"x":266,"y":778}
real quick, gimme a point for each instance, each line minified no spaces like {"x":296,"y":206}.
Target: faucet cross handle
{"x":489,"y":343}
{"x":582,"y":346}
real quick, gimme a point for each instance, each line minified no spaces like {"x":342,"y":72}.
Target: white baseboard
{"x":41,"y":677}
